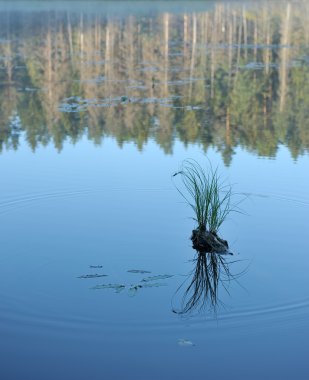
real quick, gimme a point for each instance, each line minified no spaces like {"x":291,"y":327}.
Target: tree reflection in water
{"x":230,"y":76}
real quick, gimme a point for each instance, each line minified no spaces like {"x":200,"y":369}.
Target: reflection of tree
{"x":221,"y":78}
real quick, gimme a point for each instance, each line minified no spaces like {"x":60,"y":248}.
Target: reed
{"x":205,"y":192}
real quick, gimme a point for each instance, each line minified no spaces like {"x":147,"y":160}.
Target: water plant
{"x":207,"y":194}
{"x":210,"y":199}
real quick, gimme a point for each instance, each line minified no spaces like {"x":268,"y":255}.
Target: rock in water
{"x":209,"y":242}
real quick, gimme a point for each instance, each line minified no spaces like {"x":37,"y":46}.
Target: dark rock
{"x":209,"y":242}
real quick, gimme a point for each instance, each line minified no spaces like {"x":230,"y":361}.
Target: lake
{"x":101,"y":103}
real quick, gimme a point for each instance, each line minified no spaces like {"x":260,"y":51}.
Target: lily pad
{"x":155,"y":278}
{"x":153,"y":285}
{"x":138,"y":271}
{"x":133,"y":290}
{"x":95,"y":275}
{"x":117,"y":287}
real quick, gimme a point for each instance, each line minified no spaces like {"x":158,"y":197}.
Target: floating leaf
{"x":92,"y":275}
{"x":153,"y":285}
{"x":133,"y":289}
{"x":117,"y":287}
{"x":138,"y":271}
{"x":155,"y":278}
{"x":185,"y":343}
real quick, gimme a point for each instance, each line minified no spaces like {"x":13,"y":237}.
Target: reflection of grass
{"x":204,"y":284}
{"x":209,"y":198}
{"x":210,"y":270}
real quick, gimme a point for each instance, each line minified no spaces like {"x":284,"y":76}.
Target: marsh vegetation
{"x":210,"y":199}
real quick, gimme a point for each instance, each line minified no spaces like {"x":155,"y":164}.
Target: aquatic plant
{"x":207,"y":195}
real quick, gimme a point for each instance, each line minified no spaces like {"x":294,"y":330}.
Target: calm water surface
{"x":99,"y":107}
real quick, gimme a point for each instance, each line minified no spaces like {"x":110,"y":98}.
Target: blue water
{"x":109,"y":208}
{"x":119,"y":209}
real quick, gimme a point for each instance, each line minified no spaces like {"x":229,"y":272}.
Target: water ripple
{"x":280,"y":197}
{"x":11,"y":204}
{"x":18,"y":315}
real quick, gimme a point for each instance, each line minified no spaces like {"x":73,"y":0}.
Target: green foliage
{"x":207,"y":195}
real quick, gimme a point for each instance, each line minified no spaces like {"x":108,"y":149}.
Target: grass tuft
{"x":205,"y":192}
